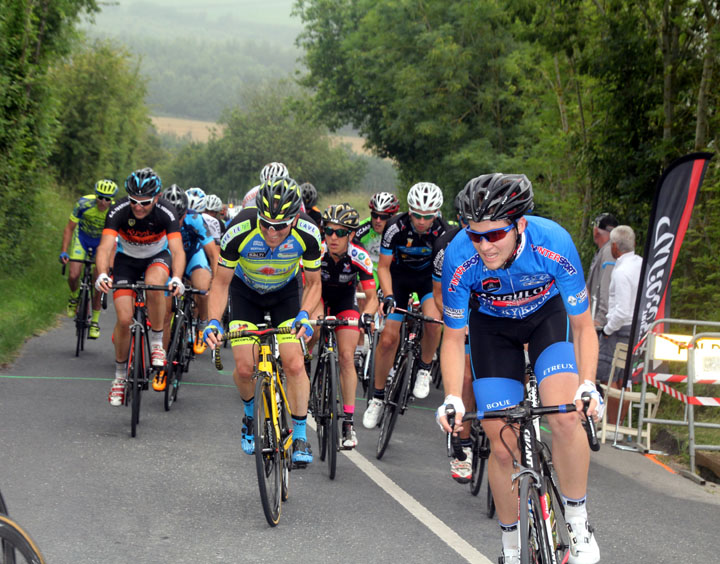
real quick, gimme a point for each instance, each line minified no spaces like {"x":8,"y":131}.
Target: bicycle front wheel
{"x":81,"y":319}
{"x":479,"y":457}
{"x":268,"y":462}
{"x":174,"y":367}
{"x":331,"y":421}
{"x":534,"y":547}
{"x":17,"y":546}
{"x":393,"y":398}
{"x":136,"y":379}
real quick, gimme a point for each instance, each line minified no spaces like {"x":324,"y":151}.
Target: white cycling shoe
{"x":372,"y":413}
{"x":584,"y":548}
{"x":422,"y":384}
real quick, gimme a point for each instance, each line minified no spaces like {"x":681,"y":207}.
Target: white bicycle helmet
{"x":196,"y":199}
{"x":213,"y":203}
{"x":271,"y":170}
{"x":425,"y":197}
{"x":384,"y":202}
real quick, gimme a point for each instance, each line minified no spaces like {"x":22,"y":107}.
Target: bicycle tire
{"x":479,"y":441}
{"x":267,"y":452}
{"x":81,"y":319}
{"x":136,"y":343}
{"x":286,"y":455}
{"x":393,"y":397}
{"x":15,"y":538}
{"x":534,"y":546}
{"x":174,"y":366}
{"x":489,"y":501}
{"x":331,"y":421}
{"x":370,"y":391}
{"x":320,"y":408}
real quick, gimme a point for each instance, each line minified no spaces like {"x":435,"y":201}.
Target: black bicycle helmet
{"x":143,"y":182}
{"x":278,"y":199}
{"x":342,"y":214}
{"x":492,"y":197}
{"x":177,"y":197}
{"x":309,"y":194}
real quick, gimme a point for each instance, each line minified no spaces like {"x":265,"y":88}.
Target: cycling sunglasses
{"x":329,"y":231}
{"x":492,"y":236}
{"x":275,"y":226}
{"x":106,"y":198}
{"x":417,"y":215}
{"x":382,"y":216}
{"x":143,"y":203}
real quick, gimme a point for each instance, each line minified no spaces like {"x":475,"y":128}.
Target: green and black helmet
{"x":278,"y":199}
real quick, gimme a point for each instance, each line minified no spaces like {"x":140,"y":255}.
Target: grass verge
{"x":34,"y":293}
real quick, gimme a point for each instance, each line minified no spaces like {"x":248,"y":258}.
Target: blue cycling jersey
{"x":547,"y":263}
{"x":195,"y":234}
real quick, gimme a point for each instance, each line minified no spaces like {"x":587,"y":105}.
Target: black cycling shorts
{"x":336,"y":299}
{"x":405,"y":282}
{"x":497,"y":352}
{"x":249,"y":305}
{"x":131,"y":270}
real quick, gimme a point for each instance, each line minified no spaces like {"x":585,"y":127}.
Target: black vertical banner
{"x":675,"y":197}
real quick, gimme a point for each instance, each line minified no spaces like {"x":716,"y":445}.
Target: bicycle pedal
{"x":299,"y":465}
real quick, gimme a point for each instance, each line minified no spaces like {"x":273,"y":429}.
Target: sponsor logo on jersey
{"x":267,"y":270}
{"x":556,"y":257}
{"x":534,"y":279}
{"x":347,"y":267}
{"x":520,"y":298}
{"x":389,"y":233}
{"x":562,"y":367}
{"x":257,"y":254}
{"x":131,"y":222}
{"x":286,"y":255}
{"x":286,"y":246}
{"x":462,"y":269}
{"x":454,"y":313}
{"x":490,"y":284}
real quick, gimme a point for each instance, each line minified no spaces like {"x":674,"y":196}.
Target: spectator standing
{"x":621,"y":305}
{"x":601,"y":267}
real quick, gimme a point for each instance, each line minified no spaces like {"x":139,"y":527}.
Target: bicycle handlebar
{"x":258,"y":334}
{"x":420,"y":316}
{"x":140,"y":286}
{"x":524,"y":412}
{"x":331,"y":321}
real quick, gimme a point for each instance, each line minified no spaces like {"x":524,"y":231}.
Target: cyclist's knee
{"x":563,"y":426}
{"x":294,"y":365}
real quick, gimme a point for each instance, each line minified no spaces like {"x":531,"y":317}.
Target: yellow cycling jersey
{"x":264,"y":269}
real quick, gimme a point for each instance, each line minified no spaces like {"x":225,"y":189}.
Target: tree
{"x":33,"y":34}
{"x":103,"y":119}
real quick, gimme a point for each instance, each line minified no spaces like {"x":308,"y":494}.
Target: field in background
{"x":200,"y":131}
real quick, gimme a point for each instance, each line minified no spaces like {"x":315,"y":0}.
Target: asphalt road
{"x":182,"y":491}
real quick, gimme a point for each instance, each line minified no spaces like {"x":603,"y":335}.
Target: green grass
{"x":33,"y":296}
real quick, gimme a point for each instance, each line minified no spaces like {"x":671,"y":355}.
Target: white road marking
{"x":414,"y":507}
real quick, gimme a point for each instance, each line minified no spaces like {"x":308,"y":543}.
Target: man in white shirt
{"x":621,"y":302}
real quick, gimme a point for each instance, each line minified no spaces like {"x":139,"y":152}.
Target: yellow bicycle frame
{"x":267,"y":368}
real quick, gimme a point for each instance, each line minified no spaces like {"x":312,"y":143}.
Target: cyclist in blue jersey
{"x":259,"y":262}
{"x":513,"y":279}
{"x":88,"y":217}
{"x":405,"y":266}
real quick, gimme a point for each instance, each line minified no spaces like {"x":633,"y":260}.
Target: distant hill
{"x":198,"y":56}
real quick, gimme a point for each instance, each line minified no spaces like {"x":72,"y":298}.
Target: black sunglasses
{"x":383,"y":216}
{"x":143,"y":203}
{"x":492,"y":236}
{"x":105,"y":198}
{"x":329,"y":231}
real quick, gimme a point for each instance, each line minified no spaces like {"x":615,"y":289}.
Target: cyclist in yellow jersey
{"x":259,"y":261}
{"x":88,"y":216}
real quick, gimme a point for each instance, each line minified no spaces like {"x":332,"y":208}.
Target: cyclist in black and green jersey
{"x":383,"y":206}
{"x":79,"y":244}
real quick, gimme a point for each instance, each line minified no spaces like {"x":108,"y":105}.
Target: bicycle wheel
{"x":393,"y":398}
{"x":136,"y":379}
{"x":268,"y":463}
{"x":534,"y":546}
{"x":370,"y":389}
{"x":331,"y":421}
{"x":319,"y":406}
{"x":479,"y":457}
{"x":17,"y":546}
{"x":81,"y":318}
{"x":285,"y":454}
{"x":489,"y":502}
{"x":174,"y":367}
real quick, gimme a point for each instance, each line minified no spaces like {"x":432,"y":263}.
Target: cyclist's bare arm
{"x":586,"y":350}
{"x":371,"y":302}
{"x":384,"y":277}
{"x":212,"y":250}
{"x":67,"y":235}
{"x":218,"y":296}
{"x":312,"y":292}
{"x":452,"y":366}
{"x":175,"y":246}
{"x":104,"y":254}
{"x":437,"y":294}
